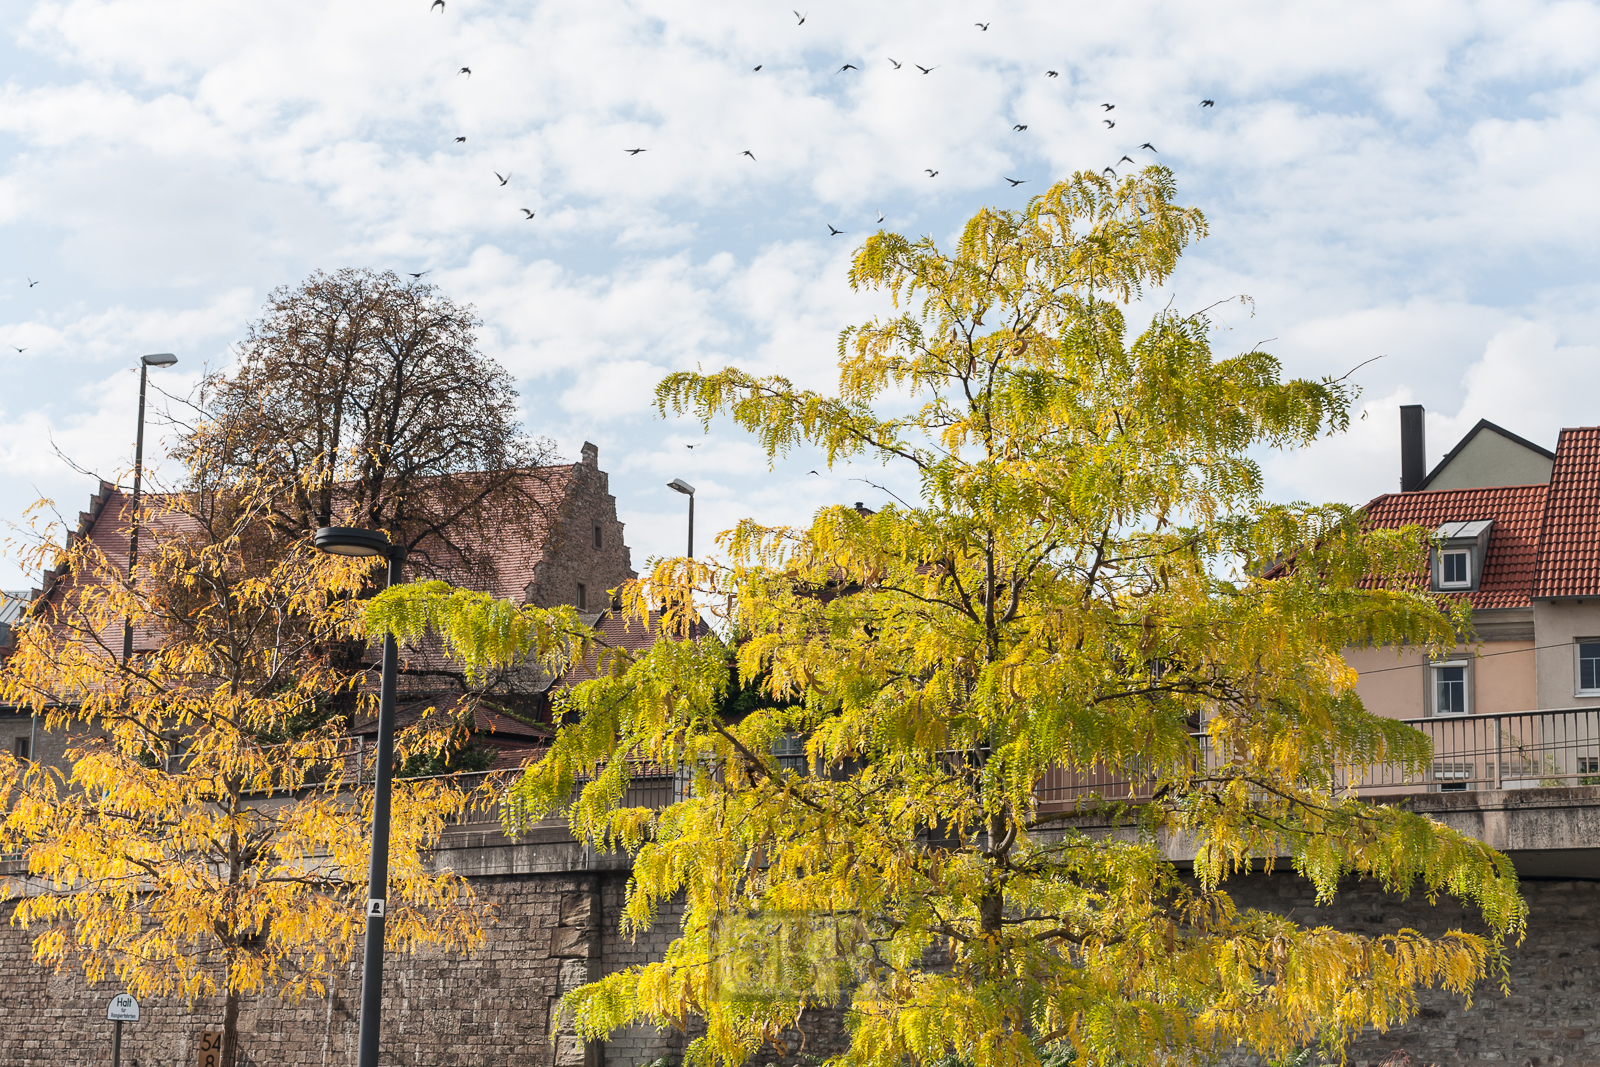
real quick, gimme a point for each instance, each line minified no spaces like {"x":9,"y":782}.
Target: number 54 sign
{"x":211,"y":1049}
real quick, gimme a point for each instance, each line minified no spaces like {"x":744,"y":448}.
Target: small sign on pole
{"x":211,"y":1048}
{"x":375,"y":907}
{"x":122,"y":1009}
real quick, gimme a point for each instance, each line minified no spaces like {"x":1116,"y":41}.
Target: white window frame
{"x":1465,"y":583}
{"x":1466,"y":687}
{"x":1451,"y":777}
{"x":1577,"y":667}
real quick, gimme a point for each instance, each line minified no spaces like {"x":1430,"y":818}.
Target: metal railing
{"x":1516,"y":750}
{"x":1509,"y":750}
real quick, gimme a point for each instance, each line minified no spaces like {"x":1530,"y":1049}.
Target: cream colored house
{"x":1517,"y":535}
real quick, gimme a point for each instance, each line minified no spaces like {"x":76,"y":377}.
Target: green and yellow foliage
{"x":204,"y":835}
{"x":1079,"y":583}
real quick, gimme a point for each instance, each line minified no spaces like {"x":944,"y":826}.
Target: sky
{"x":1405,"y":180}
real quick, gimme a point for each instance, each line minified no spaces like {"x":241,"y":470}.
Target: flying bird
{"x":417,"y":274}
{"x":880,"y":217}
{"x":461,"y":140}
{"x":467,"y":71}
{"x":24,"y":350}
{"x":32,"y":283}
{"x":931,"y":173}
{"x":749,"y":153}
{"x":814,"y":472}
{"x":799,"y":16}
{"x":1052,"y":74}
{"x":1124,"y":159}
{"x":1015,"y":181}
{"x":526,"y":214}
{"x":688,"y":446}
{"x":505,"y":179}
{"x":635,"y":151}
{"x":833,"y":232}
{"x":1019,"y":128}
{"x":894,"y":61}
{"x":437,"y":4}
{"x":1109,"y":124}
{"x":758,"y":66}
{"x":1109,"y":107}
{"x":847,"y":66}
{"x":1109,"y":171}
{"x":1148,"y":145}
{"x":984,"y":26}
{"x":925,"y":70}
{"x":1208,"y":103}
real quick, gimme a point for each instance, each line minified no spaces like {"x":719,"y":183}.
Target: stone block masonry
{"x":440,"y":1010}
{"x":555,"y":911}
{"x":1551,"y":1017}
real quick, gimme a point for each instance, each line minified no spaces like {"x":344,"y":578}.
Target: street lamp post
{"x":350,"y":541}
{"x":687,"y":490}
{"x":157,"y":359}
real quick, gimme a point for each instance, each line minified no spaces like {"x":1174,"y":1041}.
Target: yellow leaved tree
{"x":1083,"y":582}
{"x":208,"y":834}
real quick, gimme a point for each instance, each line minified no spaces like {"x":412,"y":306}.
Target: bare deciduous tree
{"x":364,"y":397}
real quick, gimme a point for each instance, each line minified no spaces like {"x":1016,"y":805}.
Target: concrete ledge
{"x":1546,"y":832}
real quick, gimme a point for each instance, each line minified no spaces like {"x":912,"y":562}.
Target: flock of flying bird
{"x":800,"y":18}
{"x":834,"y":231}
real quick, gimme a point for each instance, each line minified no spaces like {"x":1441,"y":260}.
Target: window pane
{"x":1455,"y":570}
{"x":1451,"y":683}
{"x":1589,"y":665}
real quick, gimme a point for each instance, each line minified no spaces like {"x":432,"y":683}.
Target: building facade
{"x":1517,"y":702}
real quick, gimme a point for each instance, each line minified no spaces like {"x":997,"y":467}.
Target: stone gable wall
{"x":570,"y":555}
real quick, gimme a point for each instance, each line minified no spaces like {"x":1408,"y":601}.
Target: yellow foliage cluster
{"x":205,"y":835}
{"x":1088,"y":578}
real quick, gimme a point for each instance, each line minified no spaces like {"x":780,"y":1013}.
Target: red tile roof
{"x":1509,"y":564}
{"x":1569,"y":555}
{"x":1545,"y":543}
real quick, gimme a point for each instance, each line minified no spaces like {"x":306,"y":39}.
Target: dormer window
{"x":1458,"y":554}
{"x":1455,"y":568}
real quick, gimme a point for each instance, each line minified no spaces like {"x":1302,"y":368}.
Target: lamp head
{"x":351,"y":541}
{"x":159,"y":359}
{"x":681,"y":486}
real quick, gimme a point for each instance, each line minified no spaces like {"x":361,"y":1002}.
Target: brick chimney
{"x":1413,"y":447}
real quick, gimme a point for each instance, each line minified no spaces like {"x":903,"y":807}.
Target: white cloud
{"x":1408,"y":177}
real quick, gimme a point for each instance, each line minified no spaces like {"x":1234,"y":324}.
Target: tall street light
{"x":157,"y":359}
{"x":351,"y":541}
{"x":687,"y":490}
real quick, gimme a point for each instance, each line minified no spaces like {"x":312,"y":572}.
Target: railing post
{"x":1499,"y":747}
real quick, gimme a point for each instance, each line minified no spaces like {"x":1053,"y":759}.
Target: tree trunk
{"x":992,"y":905}
{"x":230,"y":1031}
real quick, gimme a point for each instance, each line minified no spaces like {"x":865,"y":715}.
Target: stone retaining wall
{"x":556,"y":928}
